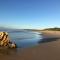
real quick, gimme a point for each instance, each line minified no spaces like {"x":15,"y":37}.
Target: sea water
{"x":25,"y":39}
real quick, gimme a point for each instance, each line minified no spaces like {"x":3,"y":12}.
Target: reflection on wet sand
{"x":7,"y":51}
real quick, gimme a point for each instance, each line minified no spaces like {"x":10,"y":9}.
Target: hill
{"x":53,"y":29}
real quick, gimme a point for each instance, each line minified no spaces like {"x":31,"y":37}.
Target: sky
{"x":30,"y":14}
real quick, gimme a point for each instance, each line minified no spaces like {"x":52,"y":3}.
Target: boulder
{"x":5,"y":41}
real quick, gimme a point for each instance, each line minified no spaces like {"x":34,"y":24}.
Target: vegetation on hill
{"x":53,"y":29}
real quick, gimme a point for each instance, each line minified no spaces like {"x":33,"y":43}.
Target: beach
{"x":44,"y":51}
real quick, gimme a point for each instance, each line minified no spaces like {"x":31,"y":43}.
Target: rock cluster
{"x":5,"y":41}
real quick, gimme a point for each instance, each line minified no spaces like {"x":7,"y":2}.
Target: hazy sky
{"x":30,"y":13}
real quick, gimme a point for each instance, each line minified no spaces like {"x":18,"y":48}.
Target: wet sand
{"x":45,"y":51}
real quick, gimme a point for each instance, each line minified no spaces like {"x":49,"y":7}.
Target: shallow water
{"x":25,"y":38}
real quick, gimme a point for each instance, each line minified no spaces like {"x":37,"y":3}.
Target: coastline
{"x":45,"y":51}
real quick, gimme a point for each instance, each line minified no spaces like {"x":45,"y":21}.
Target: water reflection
{"x":7,"y":51}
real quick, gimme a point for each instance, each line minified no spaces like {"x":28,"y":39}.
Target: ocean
{"x":25,"y":39}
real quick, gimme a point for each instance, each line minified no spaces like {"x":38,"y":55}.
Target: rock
{"x":5,"y":41}
{"x":13,"y":45}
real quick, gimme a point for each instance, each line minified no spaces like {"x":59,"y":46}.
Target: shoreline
{"x":49,"y":33}
{"x":45,"y":51}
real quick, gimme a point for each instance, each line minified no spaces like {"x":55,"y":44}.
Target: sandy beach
{"x":44,"y":51}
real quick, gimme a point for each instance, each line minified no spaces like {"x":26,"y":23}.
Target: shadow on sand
{"x":44,"y":40}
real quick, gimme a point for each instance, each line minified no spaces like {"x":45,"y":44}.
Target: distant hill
{"x":4,"y":29}
{"x":21,"y":30}
{"x":49,"y":29}
{"x":10,"y":29}
{"x":54,"y":29}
